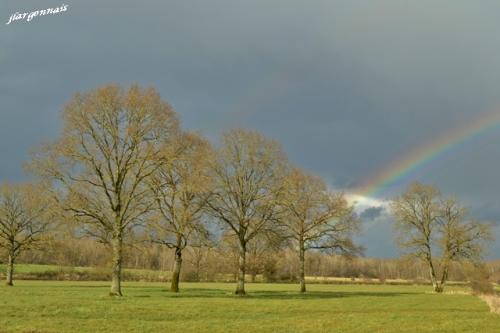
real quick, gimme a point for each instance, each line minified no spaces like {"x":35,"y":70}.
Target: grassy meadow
{"x":54,"y":272}
{"x":67,"y":306}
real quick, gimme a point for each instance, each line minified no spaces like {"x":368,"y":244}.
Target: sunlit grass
{"x":46,"y":306}
{"x":54,"y":272}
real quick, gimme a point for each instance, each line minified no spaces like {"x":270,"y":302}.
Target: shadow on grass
{"x":218,"y":293}
{"x":70,"y":285}
{"x":147,"y":292}
{"x":321,"y":294}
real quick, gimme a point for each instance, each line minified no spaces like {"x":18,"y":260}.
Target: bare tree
{"x":437,"y":230}
{"x":181,"y":189}
{"x":113,"y":140}
{"x":247,"y":182}
{"x":317,"y":218}
{"x":24,"y":218}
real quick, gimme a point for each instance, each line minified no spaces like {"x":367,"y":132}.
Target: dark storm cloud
{"x":371,"y":213}
{"x":346,"y":86}
{"x":488,"y":211}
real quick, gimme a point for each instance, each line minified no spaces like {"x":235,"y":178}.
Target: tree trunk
{"x":444,"y":277}
{"x":302,"y":275}
{"x":435,"y":283}
{"x":174,"y":286}
{"x":116,"y":275}
{"x":240,"y":287}
{"x":438,"y":288}
{"x":10,"y":269}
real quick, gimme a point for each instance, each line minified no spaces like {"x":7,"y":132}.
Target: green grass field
{"x":60,"y":306}
{"x":53,"y":272}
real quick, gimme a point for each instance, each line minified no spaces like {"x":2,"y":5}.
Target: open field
{"x":54,"y":272}
{"x":65,"y":306}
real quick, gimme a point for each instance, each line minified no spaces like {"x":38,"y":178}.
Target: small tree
{"x":24,"y":218}
{"x":200,"y":252}
{"x":478,"y":276}
{"x":112,"y":142}
{"x":181,"y":189}
{"x":260,"y":249}
{"x":248,"y":176}
{"x":437,"y":231}
{"x":317,"y":218}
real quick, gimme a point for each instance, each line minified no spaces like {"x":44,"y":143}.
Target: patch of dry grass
{"x":493,"y":302}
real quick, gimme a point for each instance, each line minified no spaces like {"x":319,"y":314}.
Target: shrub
{"x":479,"y":280}
{"x":270,"y":270}
{"x":189,"y":275}
{"x":482,"y":286}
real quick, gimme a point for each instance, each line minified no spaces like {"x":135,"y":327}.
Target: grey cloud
{"x":346,"y":86}
{"x":371,"y":213}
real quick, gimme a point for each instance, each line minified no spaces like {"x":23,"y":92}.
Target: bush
{"x":479,"y":280}
{"x":189,"y":275}
{"x":482,"y":287}
{"x":270,"y":270}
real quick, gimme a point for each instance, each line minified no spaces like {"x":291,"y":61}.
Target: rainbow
{"x":423,"y":155}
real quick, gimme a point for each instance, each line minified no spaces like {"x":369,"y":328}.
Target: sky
{"x":348,"y":87}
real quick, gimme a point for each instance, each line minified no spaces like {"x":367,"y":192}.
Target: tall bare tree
{"x":247,"y":182}
{"x":317,"y":218}
{"x":24,"y":219}
{"x":437,"y":230}
{"x":113,"y":140}
{"x":181,"y":190}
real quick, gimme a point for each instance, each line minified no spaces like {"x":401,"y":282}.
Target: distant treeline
{"x":219,"y":263}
